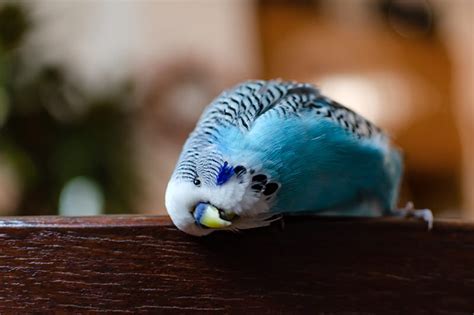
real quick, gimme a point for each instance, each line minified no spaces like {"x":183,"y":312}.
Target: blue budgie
{"x":264,"y":149}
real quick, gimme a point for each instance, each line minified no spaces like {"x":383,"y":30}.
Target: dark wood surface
{"x":144,"y":265}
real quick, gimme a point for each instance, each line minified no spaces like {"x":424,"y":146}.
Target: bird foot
{"x":409,"y":211}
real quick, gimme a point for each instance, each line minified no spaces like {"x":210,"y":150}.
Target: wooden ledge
{"x":104,"y":221}
{"x":144,"y":264}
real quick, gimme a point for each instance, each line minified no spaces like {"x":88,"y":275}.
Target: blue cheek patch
{"x":225,"y":173}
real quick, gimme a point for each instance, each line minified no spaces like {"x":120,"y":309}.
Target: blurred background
{"x":97,"y":97}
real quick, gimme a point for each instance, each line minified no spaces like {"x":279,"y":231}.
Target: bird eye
{"x":197,"y":182}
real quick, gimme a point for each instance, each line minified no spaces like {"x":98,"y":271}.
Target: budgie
{"x":264,"y":149}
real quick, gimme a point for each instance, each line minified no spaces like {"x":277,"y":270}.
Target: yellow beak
{"x":208,"y":216}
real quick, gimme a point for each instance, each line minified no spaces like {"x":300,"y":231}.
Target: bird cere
{"x":264,"y":149}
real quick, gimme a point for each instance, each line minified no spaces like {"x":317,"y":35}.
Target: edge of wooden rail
{"x":86,"y":221}
{"x":164,"y":221}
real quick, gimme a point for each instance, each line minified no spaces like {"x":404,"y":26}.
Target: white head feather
{"x":234,"y":196}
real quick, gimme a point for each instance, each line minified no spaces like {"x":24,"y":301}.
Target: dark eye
{"x":197,"y":182}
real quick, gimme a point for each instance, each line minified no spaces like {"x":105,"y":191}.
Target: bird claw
{"x":409,"y":211}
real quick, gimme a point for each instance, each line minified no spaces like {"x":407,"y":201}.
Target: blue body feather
{"x":320,"y":165}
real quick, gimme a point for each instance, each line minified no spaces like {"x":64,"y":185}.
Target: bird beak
{"x":208,"y":216}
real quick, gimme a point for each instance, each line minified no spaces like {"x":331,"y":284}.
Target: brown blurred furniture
{"x":143,"y":264}
{"x":458,"y":34}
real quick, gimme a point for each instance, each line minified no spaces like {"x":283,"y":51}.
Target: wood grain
{"x":130,"y":264}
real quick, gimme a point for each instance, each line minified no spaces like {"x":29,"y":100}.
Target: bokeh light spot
{"x":81,"y":196}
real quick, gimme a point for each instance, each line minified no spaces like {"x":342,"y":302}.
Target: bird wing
{"x":241,"y":106}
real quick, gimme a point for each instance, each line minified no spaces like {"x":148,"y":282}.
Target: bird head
{"x":203,"y":194}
